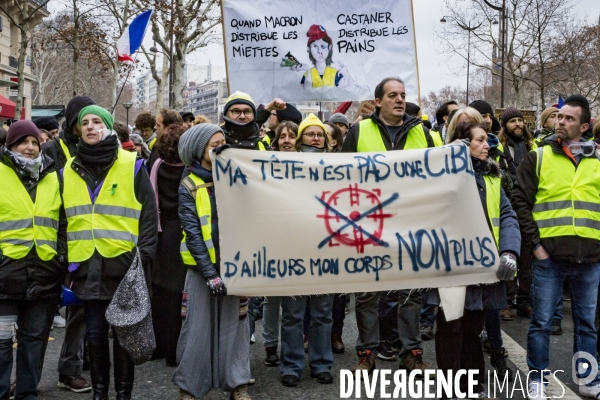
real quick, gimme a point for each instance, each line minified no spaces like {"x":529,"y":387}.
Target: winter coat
{"x":30,"y":278}
{"x":54,"y":150}
{"x":573,"y":249}
{"x":168,"y":270}
{"x":191,"y":225}
{"x":351,"y":138}
{"x":490,"y":297}
{"x":99,"y":277}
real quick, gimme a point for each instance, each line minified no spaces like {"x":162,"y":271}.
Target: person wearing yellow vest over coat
{"x":214,"y":345}
{"x":457,"y":342}
{"x":558,"y":205}
{"x":32,"y":255}
{"x":388,"y":128}
{"x":111,"y":213}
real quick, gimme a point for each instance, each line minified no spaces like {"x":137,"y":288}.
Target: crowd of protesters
{"x":82,"y":203}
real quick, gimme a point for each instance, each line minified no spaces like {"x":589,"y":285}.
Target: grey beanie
{"x":193,"y":142}
{"x":339,"y":118}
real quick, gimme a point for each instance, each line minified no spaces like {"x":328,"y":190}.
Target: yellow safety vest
{"x":493,"y":188}
{"x":205,"y":215}
{"x":110,"y":224}
{"x":24,"y":223}
{"x":152,"y":143}
{"x":369,"y":137}
{"x":65,"y":149}
{"x":328,"y":77}
{"x":567,"y":202}
{"x":437,"y":138}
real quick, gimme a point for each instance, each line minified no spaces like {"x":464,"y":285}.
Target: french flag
{"x":132,"y":37}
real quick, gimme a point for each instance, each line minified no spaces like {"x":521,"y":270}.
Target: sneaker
{"x":413,"y":361}
{"x":536,"y":391}
{"x":385,"y":351}
{"x":506,"y":314}
{"x":240,"y":393}
{"x":59,"y":322}
{"x":183,"y":395}
{"x":366,"y":360}
{"x":252,"y":380}
{"x":75,"y":383}
{"x":252,"y":339}
{"x":290,"y":380}
{"x":272,"y":359}
{"x":590,"y":391}
{"x":498,"y":361}
{"x":556,"y":327}
{"x":426,"y":332}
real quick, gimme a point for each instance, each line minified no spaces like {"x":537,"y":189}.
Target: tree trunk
{"x":160,"y":85}
{"x":178,"y":75}
{"x":22,"y":54}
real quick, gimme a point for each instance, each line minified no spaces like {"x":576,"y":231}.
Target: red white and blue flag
{"x":133,"y":36}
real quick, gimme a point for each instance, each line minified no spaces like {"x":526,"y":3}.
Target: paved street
{"x":153,"y":379}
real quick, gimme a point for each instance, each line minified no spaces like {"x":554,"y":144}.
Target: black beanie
{"x":47,"y":123}
{"x":509,"y":114}
{"x":482,"y":106}
{"x":290,"y":113}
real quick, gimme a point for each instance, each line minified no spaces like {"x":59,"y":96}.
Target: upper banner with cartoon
{"x":315,"y":50}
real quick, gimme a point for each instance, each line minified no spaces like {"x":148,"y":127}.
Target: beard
{"x":516,"y":132}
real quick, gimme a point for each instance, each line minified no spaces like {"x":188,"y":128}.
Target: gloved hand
{"x":219,"y":149}
{"x":508,"y":267}
{"x":217,"y":286}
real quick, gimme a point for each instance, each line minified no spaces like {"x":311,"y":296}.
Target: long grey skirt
{"x":214,"y":345}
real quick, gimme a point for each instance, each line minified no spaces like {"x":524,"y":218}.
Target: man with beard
{"x":240,"y":128}
{"x":514,"y":136}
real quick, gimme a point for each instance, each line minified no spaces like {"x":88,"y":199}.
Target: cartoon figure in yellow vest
{"x":320,"y":52}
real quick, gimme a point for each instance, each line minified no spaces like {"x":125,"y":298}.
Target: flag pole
{"x":225,"y":47}
{"x":412,"y":14}
{"x":125,"y":83}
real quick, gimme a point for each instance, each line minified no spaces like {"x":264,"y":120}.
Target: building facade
{"x":207,"y":98}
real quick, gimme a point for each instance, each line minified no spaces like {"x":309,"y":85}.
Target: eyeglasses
{"x":312,"y":135}
{"x":237,"y":112}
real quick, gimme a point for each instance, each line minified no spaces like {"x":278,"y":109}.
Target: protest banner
{"x":306,"y":223}
{"x":365,"y":108}
{"x":529,"y":117}
{"x":337,"y":50}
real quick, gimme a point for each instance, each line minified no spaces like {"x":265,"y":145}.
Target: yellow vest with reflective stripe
{"x":437,"y":138}
{"x":205,"y":215}
{"x":493,"y":187}
{"x":567,"y":202}
{"x":328,"y":77}
{"x":111,"y":224}
{"x":24,"y":223}
{"x":369,"y":137}
{"x":152,"y":143}
{"x":65,"y":149}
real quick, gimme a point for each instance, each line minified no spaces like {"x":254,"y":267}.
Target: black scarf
{"x":99,"y":156}
{"x":241,"y":132}
{"x":519,"y":146}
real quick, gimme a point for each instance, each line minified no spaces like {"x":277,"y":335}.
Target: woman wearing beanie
{"x":168,"y":271}
{"x":312,"y":136}
{"x":214,"y":345}
{"x":32,"y":255}
{"x":111,"y":214}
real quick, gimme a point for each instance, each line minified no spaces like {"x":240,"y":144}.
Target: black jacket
{"x":99,"y":277}
{"x":351,"y":138}
{"x":573,"y":249}
{"x":191,"y":226}
{"x":54,"y":150}
{"x":30,"y":278}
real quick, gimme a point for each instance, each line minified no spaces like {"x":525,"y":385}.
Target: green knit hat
{"x":104,"y":115}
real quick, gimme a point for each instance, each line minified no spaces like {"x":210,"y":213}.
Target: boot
{"x":124,"y":371}
{"x":99,"y":369}
{"x":498,"y":361}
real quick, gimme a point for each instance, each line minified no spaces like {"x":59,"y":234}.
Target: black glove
{"x":508,"y":267}
{"x":217,"y":286}
{"x":219,"y":149}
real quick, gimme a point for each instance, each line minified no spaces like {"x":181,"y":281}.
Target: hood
{"x":76,"y":104}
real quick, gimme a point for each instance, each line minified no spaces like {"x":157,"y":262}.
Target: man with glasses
{"x":240,"y":128}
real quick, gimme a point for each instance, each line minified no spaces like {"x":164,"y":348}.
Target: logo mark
{"x":579,"y":368}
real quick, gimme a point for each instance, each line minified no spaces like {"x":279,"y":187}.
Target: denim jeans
{"x":388,"y":317}
{"x":320,"y":356}
{"x":546,"y":289}
{"x":271,"y":308}
{"x":34,"y":318}
{"x":367,"y":321}
{"x":493,"y":329}
{"x":427,"y":311}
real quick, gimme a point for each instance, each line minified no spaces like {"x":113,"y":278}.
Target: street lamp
{"x":127,"y":107}
{"x":502,"y":10}
{"x":154,"y":50}
{"x":470,"y":29}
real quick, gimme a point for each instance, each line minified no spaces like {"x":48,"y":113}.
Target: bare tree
{"x":24,"y":15}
